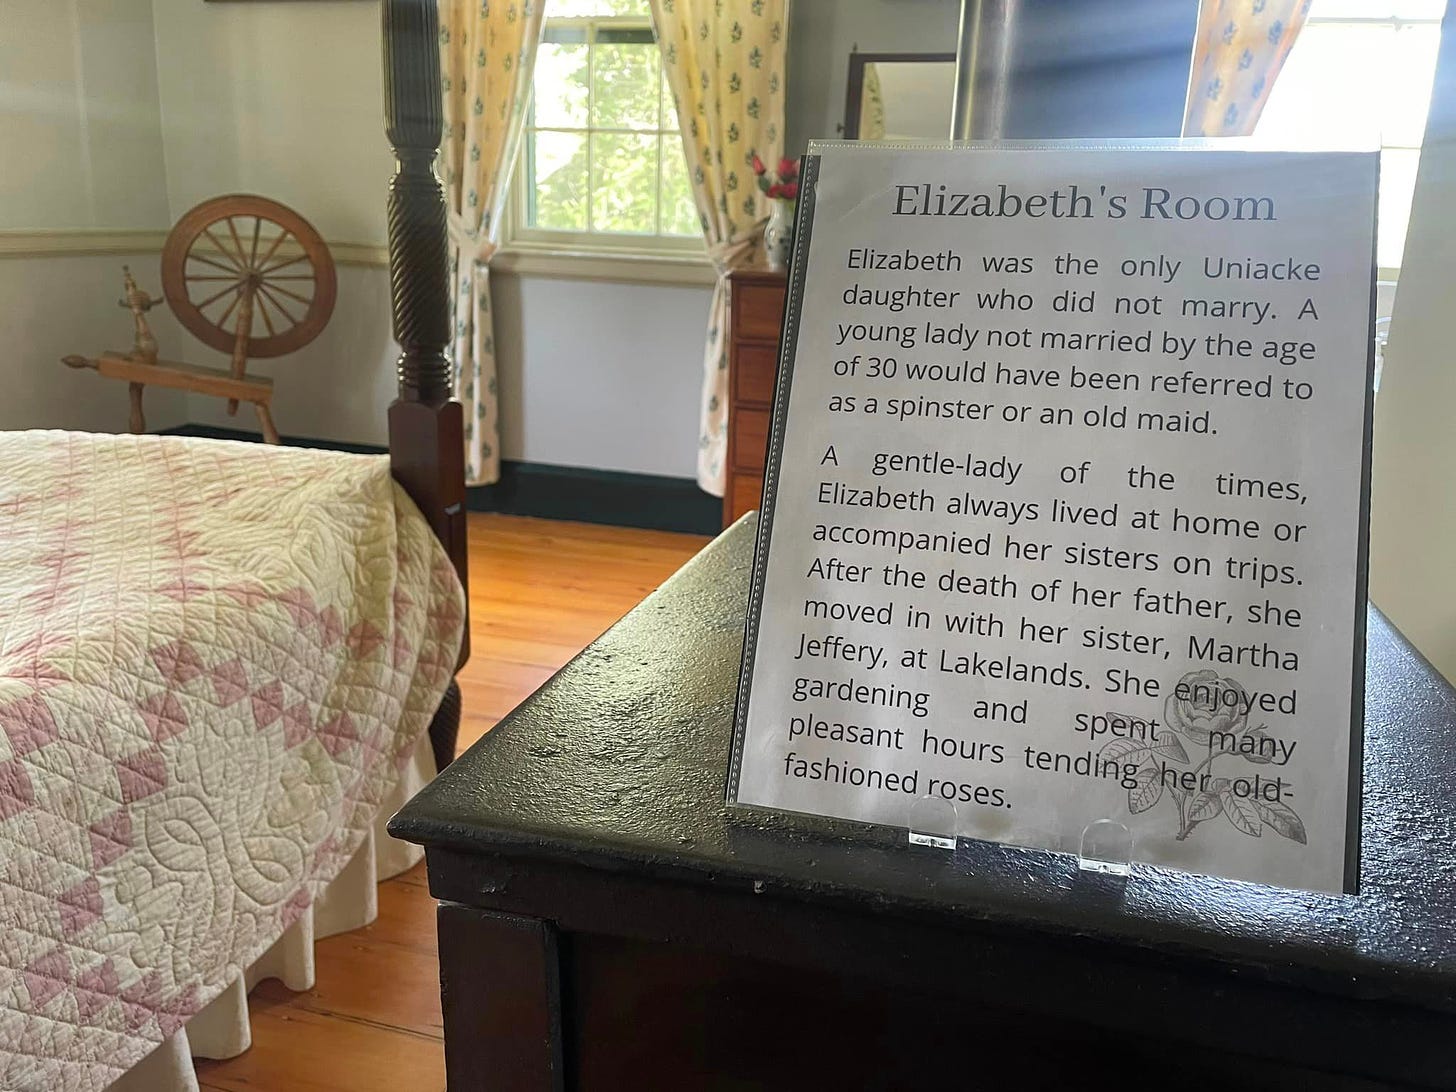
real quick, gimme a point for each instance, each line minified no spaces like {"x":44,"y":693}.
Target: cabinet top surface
{"x":619,"y":762}
{"x":779,"y":277}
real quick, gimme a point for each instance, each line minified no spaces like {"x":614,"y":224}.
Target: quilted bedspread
{"x":214,"y":660}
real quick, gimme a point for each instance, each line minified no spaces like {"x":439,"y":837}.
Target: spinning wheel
{"x":246,"y":276}
{"x":247,"y":269}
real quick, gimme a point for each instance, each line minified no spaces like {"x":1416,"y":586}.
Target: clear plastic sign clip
{"x":1106,"y":848}
{"x":933,"y":823}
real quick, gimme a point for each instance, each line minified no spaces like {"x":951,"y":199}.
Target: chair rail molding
{"x":92,"y":242}
{"x":533,"y":261}
{"x":56,"y":244}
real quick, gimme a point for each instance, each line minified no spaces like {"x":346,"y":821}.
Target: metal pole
{"x":983,"y":65}
{"x":965,"y":69}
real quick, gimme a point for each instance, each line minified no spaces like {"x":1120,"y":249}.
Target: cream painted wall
{"x":592,"y":374}
{"x":599,"y":374}
{"x":80,"y":150}
{"x":80,"y":126}
{"x":54,"y":307}
{"x":282,"y":99}
{"x":1413,"y":489}
{"x":285,"y":99}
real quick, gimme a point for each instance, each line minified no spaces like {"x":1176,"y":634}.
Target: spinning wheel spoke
{"x":238,"y":242}
{"x":289,"y":261}
{"x":234,"y":287}
{"x":253,"y":251}
{"x":221,"y":249}
{"x":222,"y":322}
{"x":291,"y":295}
{"x":263,"y":261}
{"x":211,"y":277}
{"x":263,"y":288}
{"x":195,"y":257}
{"x":293,"y":277}
{"x":262,"y":309}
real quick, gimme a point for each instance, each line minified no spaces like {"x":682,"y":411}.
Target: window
{"x":1358,"y":67}
{"x":602,"y":164}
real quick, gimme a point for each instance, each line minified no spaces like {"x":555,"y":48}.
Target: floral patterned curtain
{"x":725,"y":65}
{"x":1239,"y":49}
{"x":487,"y":54}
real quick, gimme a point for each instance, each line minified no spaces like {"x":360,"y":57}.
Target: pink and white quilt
{"x":214,"y":660}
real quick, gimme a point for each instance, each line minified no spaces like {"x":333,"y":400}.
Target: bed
{"x":222,"y":667}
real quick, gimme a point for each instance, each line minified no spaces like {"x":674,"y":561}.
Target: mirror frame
{"x":854,"y":88}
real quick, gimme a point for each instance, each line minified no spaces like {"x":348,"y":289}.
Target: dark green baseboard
{"x":610,"y":497}
{"x":600,"y":496}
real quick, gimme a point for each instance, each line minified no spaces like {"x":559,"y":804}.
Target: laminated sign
{"x":1065,"y":506}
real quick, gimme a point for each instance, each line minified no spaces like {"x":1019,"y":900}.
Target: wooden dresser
{"x":756,"y":319}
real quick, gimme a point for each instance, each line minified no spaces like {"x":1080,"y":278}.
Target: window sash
{"x":591,"y":31}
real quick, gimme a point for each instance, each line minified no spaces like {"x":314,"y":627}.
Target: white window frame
{"x":598,"y":255}
{"x":1386,"y":275}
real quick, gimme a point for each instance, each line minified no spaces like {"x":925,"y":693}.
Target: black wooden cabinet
{"x":607,"y":923}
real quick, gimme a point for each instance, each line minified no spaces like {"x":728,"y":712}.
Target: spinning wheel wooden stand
{"x":246,"y":276}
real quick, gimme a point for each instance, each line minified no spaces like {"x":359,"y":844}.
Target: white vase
{"x":778,"y":235}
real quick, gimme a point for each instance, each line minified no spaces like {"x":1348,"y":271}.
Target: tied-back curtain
{"x":725,"y":66}
{"x":1239,"y":49}
{"x":487,"y":54}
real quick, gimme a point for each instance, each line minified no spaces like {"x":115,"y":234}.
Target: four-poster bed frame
{"x":137,"y":566}
{"x":426,"y":425}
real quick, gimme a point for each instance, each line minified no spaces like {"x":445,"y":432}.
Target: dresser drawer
{"x":754,"y":368}
{"x":745,"y":494}
{"x":758,"y":309}
{"x":750,"y":438}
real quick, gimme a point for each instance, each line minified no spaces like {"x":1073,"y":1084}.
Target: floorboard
{"x":540,"y":591}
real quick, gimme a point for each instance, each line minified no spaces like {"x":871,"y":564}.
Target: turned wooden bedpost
{"x":426,"y":438}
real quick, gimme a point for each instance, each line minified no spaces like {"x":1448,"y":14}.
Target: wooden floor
{"x":539,"y":592}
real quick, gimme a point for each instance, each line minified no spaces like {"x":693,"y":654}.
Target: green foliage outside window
{"x":603,"y":152}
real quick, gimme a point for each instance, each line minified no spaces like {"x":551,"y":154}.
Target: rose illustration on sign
{"x":1203,"y":705}
{"x":1207,"y":713}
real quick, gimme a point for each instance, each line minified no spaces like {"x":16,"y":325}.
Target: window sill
{"x":621,"y":266}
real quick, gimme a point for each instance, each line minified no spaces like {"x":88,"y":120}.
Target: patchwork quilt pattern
{"x":214,"y":660}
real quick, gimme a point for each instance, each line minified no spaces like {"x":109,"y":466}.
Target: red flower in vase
{"x":783,"y":188}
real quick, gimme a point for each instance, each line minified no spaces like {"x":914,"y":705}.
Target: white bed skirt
{"x":221,"y":1030}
